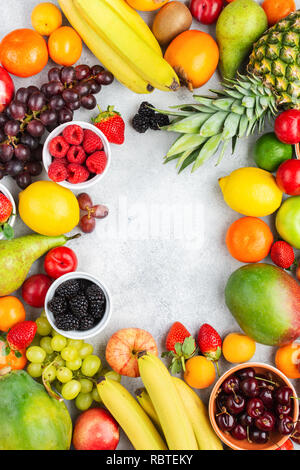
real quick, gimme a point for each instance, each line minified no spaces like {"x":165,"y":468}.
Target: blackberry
{"x":67,"y":322}
{"x":79,"y":305}
{"x":58,"y":306}
{"x":84,"y":284}
{"x":95,"y":292}
{"x":146,"y":109}
{"x":140,"y":123}
{"x":86,"y":323}
{"x":158,"y":121}
{"x":97,"y":308}
{"x":68,"y":288}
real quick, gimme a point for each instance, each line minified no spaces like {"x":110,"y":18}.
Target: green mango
{"x":265,"y":301}
{"x":29,"y":418}
{"x":18,"y":255}
{"x":239,"y":26}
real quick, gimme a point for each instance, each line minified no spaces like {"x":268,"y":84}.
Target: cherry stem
{"x":266,"y":380}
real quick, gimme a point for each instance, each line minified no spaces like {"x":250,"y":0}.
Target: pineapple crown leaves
{"x":182,"y":352}
{"x":213,"y":122}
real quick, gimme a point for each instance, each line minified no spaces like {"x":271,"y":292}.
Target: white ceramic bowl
{"x":78,"y":334}
{"x":47,"y":158}
{"x":12,"y":219}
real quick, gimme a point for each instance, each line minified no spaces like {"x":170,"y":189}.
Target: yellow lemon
{"x":48,"y":208}
{"x":251,"y":191}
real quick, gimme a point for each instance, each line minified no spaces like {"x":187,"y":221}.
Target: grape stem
{"x":46,"y":383}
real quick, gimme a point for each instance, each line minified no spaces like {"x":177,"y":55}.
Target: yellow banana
{"x":114,"y":30}
{"x":136,"y":22}
{"x":197,"y":413}
{"x":144,"y":400}
{"x":130,"y":415}
{"x":106,"y":55}
{"x":167,"y":403}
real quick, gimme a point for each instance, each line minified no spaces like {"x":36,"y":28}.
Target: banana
{"x":114,"y":30}
{"x":130,"y":415}
{"x":144,"y":400}
{"x":136,"y":22}
{"x":167,"y":403}
{"x":197,"y":412}
{"x":106,"y":55}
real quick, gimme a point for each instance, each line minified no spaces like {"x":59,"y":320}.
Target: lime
{"x":269,"y":152}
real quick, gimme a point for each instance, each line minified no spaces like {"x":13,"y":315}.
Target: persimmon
{"x":278,"y":9}
{"x":194,"y":55}
{"x":23,"y":52}
{"x":65,"y":46}
{"x":287,"y":360}
{"x":146,"y":5}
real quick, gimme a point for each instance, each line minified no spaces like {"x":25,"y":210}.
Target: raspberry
{"x":58,"y":172}
{"x":97,"y":162}
{"x":63,"y":161}
{"x":78,"y":173}
{"x":76,"y":154}
{"x":91,"y":142}
{"x":73,"y":134}
{"x":58,"y":147}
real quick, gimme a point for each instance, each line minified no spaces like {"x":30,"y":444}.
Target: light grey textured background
{"x":153,"y":282}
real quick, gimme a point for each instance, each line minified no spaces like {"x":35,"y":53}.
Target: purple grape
{"x":83,"y":88}
{"x":65,"y":115}
{"x":44,"y":90}
{"x":37,"y":154}
{"x":82,"y":72}
{"x":96,"y":69}
{"x":54,"y":88}
{"x":14,"y":167}
{"x":104,"y":78}
{"x":22,"y":95}
{"x":6,"y":152}
{"x":22,"y":152}
{"x":12,"y":128}
{"x":48,"y":117}
{"x":2,"y":135}
{"x":17,"y":110}
{"x":3,"y":119}
{"x":35,"y":128}
{"x":37,"y":101}
{"x":56,"y":103}
{"x":32,"y":89}
{"x":94,"y":87}
{"x":34,"y":168}
{"x":74,"y":106}
{"x":67,"y":75}
{"x":23,"y":180}
{"x":70,"y":96}
{"x":30,"y":141}
{"x":54,"y":74}
{"x":88,"y":102}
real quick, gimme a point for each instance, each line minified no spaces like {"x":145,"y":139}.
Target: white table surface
{"x":153,"y":278}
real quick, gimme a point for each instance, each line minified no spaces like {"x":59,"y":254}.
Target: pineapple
{"x":272,"y":82}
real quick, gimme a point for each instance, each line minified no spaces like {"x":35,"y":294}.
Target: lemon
{"x":251,"y":191}
{"x":48,"y":208}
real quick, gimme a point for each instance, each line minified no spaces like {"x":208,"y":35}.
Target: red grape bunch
{"x":35,"y":111}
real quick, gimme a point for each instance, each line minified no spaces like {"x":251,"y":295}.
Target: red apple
{"x":7,"y":89}
{"x":96,"y":429}
{"x":123,"y":347}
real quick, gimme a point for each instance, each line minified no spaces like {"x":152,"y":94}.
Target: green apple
{"x":288,"y":221}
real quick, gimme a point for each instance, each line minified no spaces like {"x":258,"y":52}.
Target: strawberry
{"x":6,"y":209}
{"x":111,"y":124}
{"x":282,"y":254}
{"x":21,"y":335}
{"x":180,"y":346}
{"x":210,"y":343}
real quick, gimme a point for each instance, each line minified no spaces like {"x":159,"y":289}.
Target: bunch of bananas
{"x":123,"y":43}
{"x":168,"y":414}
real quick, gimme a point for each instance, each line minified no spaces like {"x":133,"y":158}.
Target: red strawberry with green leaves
{"x":21,"y":335}
{"x":210,"y":343}
{"x":180,"y":346}
{"x":111,"y":124}
{"x":6,"y":209}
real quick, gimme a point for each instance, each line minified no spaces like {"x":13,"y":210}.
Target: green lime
{"x":269,"y":152}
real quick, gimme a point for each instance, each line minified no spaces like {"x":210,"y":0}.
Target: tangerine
{"x":46,"y":18}
{"x":65,"y":46}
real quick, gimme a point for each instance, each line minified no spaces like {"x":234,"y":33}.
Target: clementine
{"x":249,"y":239}
{"x":194,"y":55}
{"x":46,"y":18}
{"x":23,"y":52}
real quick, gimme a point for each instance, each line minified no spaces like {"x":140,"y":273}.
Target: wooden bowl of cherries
{"x":254,"y":406}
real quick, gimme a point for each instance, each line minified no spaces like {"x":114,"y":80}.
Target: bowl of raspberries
{"x":76,"y":154}
{"x":78,"y":305}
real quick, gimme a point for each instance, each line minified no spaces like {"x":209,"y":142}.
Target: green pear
{"x":239,"y":26}
{"x":18,"y":255}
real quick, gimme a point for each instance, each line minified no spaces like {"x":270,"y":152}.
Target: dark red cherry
{"x":235,"y":404}
{"x":239,"y":432}
{"x":258,"y":436}
{"x":283,"y":410}
{"x":245,"y":420}
{"x":283,"y":395}
{"x":249,"y":387}
{"x":255,"y":407}
{"x":231,"y":384}
{"x":220,"y":401}
{"x":285,"y":425}
{"x":266,"y":422}
{"x":225,"y":422}
{"x":247,"y":373}
{"x":266,"y":396}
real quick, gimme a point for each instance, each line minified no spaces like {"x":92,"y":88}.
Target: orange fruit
{"x":199,"y":372}
{"x":278,"y":9}
{"x":287,"y":360}
{"x":249,"y":239}
{"x":146,"y":5}
{"x":194,"y":55}
{"x":11,"y":312}
{"x":46,"y":18}
{"x":65,"y":46}
{"x":238,"y":347}
{"x":15,"y":359}
{"x":23,"y":52}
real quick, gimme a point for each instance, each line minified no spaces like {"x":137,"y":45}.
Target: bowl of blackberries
{"x":254,"y":406}
{"x":78,"y":305}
